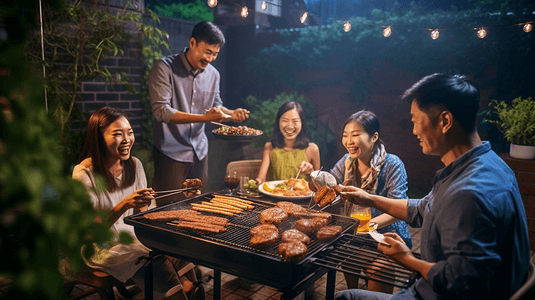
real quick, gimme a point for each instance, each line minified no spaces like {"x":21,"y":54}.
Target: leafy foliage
{"x":266,"y":112}
{"x":76,"y":38}
{"x":44,"y":214}
{"x":197,"y":11}
{"x":154,"y":43}
{"x":515,"y":121}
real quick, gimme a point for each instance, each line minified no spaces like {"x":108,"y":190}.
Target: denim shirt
{"x":391,"y":183}
{"x":174,"y":86}
{"x":474,"y":229}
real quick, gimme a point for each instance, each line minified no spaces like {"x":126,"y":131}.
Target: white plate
{"x":275,"y":182}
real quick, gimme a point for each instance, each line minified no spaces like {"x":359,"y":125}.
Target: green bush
{"x":515,"y":121}
{"x":196,"y":12}
{"x":265,"y":112}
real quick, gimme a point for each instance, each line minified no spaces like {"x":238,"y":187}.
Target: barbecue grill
{"x":230,"y":251}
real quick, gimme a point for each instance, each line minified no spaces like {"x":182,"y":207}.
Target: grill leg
{"x":331,"y":283}
{"x":148,"y":278}
{"x":217,"y":284}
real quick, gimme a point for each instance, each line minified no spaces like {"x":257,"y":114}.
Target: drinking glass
{"x":364,"y":215}
{"x":231,"y":180}
{"x":243,"y":181}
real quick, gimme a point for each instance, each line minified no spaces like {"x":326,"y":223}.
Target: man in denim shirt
{"x":474,"y":237}
{"x":184,"y":94}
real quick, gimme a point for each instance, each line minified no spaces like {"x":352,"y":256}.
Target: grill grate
{"x":237,"y":234}
{"x":358,"y":255}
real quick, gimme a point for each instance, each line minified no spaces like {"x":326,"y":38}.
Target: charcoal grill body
{"x":230,"y":252}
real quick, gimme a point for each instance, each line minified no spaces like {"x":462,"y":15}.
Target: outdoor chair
{"x":527,"y":290}
{"x":247,"y":168}
{"x":99,"y":282}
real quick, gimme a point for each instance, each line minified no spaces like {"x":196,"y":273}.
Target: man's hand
{"x":215,"y":114}
{"x":240,"y":115}
{"x":398,"y":250}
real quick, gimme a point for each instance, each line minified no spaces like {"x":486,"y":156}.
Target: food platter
{"x":237,"y":138}
{"x":282,"y":197}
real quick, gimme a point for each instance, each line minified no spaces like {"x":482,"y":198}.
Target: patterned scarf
{"x":368,"y":181}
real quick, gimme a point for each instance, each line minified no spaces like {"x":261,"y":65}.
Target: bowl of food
{"x":241,"y":134}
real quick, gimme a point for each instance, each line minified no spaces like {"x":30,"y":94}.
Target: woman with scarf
{"x":368,"y":166}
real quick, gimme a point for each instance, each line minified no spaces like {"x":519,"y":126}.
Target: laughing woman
{"x":106,"y":153}
{"x":368,"y":166}
{"x":290,"y":150}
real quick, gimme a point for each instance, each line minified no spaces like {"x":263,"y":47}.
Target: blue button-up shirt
{"x":474,"y":228}
{"x":174,"y":86}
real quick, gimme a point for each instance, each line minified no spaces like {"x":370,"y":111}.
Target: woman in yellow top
{"x":290,"y":150}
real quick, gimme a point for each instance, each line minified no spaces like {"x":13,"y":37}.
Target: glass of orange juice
{"x":364,"y":215}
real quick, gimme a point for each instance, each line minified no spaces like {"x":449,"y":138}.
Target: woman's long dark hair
{"x":302,"y":140}
{"x":370,"y":123}
{"x":95,"y":147}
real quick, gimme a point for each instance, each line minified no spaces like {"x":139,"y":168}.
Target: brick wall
{"x":96,"y":93}
{"x":525,"y":176}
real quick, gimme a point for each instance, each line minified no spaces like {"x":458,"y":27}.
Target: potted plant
{"x":517,"y":123}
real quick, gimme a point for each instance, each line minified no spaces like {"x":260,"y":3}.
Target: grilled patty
{"x":306,"y":226}
{"x":293,"y":251}
{"x":294,"y":235}
{"x":329,"y":232}
{"x":273,"y":215}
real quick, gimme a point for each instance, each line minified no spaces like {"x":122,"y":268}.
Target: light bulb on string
{"x":304,"y":17}
{"x":527,"y":27}
{"x":244,"y":12}
{"x":434,"y":34}
{"x":387,"y":31}
{"x":481,"y":33}
{"x":347,"y":26}
{"x":263,"y":6}
{"x":212,"y":3}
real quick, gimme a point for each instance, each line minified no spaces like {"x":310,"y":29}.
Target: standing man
{"x":474,"y":236}
{"x":184,"y":94}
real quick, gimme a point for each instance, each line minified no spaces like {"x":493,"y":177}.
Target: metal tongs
{"x":295,"y":180}
{"x":312,"y":205}
{"x":162,"y":194}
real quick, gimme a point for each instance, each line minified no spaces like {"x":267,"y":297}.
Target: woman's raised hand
{"x":306,"y":167}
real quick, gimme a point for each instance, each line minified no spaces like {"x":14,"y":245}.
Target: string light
{"x":387,"y":31}
{"x":244,"y":12}
{"x":263,"y":6}
{"x":481,"y":33}
{"x":527,"y":27}
{"x":435,"y":34}
{"x":304,"y":17}
{"x":212,"y":3}
{"x":347,"y":26}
